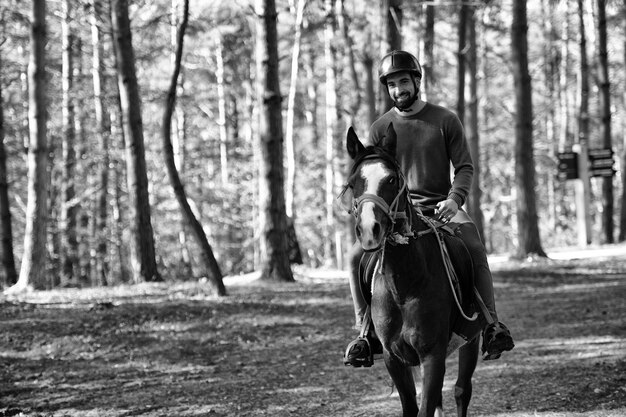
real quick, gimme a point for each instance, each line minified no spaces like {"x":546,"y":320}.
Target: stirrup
{"x":496,"y":339}
{"x":364,"y":357}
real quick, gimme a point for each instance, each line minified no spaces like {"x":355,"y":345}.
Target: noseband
{"x":391,"y":210}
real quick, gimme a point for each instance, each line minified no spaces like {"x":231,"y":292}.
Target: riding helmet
{"x":396,"y":61}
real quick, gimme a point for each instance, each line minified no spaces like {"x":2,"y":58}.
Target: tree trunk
{"x":32,"y":271}
{"x":290,"y":149}
{"x":6,"y":229}
{"x":551,"y":72}
{"x":428,"y":76}
{"x":471,"y":126}
{"x":371,"y":81}
{"x":392,"y":14}
{"x":211,"y":267}
{"x":295,"y":255}
{"x":221,"y":106}
{"x":118,"y":170}
{"x":491,"y":201}
{"x":604,"y":89}
{"x":393,"y":27}
{"x":565,"y":138}
{"x":179,"y":137}
{"x":582,"y":137}
{"x":275,"y":265}
{"x":460,"y":55}
{"x":622,"y":217}
{"x":344,"y":25}
{"x":527,"y":221}
{"x":312,"y":87}
{"x":69,"y":242}
{"x":331,"y":124}
{"x":142,"y":241}
{"x":102,"y":133}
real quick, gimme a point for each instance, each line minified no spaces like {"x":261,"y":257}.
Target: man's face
{"x":401,"y":89}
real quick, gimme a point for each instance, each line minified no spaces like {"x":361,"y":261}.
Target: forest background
{"x":569,"y":66}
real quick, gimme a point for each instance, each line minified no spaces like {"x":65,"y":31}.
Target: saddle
{"x":461,"y":272}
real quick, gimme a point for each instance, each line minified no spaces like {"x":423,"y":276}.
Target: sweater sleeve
{"x":461,"y":159}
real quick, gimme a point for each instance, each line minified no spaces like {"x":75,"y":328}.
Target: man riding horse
{"x":429,"y":138}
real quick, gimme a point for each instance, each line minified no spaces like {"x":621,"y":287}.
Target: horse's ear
{"x":388,"y":143}
{"x":353,"y":144}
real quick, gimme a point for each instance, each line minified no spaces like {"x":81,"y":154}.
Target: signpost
{"x":568,"y":166}
{"x":581,"y":164}
{"x":601,"y":162}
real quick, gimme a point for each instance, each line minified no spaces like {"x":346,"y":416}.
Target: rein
{"x":391,"y":210}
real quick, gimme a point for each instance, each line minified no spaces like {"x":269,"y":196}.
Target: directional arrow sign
{"x":601,"y":162}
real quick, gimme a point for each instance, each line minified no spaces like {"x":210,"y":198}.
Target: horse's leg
{"x":402,"y":377}
{"x":468,"y":356}
{"x":433,"y":371}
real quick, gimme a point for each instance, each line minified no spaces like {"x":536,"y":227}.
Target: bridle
{"x":390,"y":210}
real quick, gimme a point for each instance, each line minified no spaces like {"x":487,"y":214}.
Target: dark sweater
{"x":427,"y":143}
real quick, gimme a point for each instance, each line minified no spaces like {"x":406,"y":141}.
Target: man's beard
{"x":405,"y":101}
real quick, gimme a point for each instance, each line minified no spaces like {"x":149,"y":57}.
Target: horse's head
{"x":378,"y":188}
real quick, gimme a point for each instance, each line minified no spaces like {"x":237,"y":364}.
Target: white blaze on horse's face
{"x":371,"y":235}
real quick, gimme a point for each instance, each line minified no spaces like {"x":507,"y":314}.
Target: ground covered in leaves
{"x":275,"y":350}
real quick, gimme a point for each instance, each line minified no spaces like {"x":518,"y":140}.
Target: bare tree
{"x":622,"y":217}
{"x":179,"y":134}
{"x":604,"y":88}
{"x":68,"y":207}
{"x":527,"y":221}
{"x":275,"y":262}
{"x":471,"y":124}
{"x":392,"y":16}
{"x":209,"y":262}
{"x":6,"y":253}
{"x":428,"y":75}
{"x":290,"y":149}
{"x":332,"y":115}
{"x":142,"y":244}
{"x":32,"y":270}
{"x":221,"y":105}
{"x":102,"y":133}
{"x":460,"y":54}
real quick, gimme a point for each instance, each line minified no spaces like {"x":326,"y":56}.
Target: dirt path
{"x":268,"y":350}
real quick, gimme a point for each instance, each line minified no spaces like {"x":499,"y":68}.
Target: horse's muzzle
{"x":371,"y":238}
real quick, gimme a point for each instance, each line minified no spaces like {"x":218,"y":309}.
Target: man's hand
{"x":446,"y":210}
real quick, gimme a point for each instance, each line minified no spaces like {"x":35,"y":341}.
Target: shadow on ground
{"x":275,"y":350}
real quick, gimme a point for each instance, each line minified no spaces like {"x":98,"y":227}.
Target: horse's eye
{"x":392,"y":180}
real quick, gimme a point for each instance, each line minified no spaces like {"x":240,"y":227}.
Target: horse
{"x":412,"y":304}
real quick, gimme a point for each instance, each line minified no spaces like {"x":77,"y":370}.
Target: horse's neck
{"x":411,"y":258}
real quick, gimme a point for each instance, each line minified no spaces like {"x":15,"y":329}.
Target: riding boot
{"x":496,"y":336}
{"x":361,"y":351}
